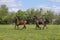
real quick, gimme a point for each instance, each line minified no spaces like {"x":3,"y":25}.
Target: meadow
{"x":7,"y":32}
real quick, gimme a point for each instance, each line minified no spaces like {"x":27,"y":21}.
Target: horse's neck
{"x":18,"y":20}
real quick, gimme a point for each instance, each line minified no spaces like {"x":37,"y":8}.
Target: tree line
{"x":7,"y":17}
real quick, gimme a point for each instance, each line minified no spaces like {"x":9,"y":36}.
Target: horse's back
{"x":22,"y":22}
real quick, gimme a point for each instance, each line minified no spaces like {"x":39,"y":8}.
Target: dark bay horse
{"x":44,"y":22}
{"x":18,"y":22}
{"x":40,"y":21}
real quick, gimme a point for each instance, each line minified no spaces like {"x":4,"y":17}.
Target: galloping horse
{"x":36,"y":21}
{"x":18,"y":21}
{"x":42,"y":21}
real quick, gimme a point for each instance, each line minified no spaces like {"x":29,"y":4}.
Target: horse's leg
{"x":17,"y":26}
{"x":24,"y":25}
{"x":37,"y":25}
{"x":45,"y":26}
{"x":40,"y":27}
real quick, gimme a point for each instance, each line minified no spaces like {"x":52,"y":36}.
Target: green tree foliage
{"x":50,"y":15}
{"x":21,"y":14}
{"x":3,"y":12}
{"x":57,"y":19}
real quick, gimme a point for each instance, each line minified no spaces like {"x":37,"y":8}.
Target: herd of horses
{"x":19,"y":21}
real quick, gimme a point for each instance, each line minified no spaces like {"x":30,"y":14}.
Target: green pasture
{"x":7,"y":32}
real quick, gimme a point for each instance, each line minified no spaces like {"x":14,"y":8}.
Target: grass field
{"x":7,"y":32}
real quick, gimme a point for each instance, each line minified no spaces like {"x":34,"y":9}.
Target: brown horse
{"x":40,"y":21}
{"x":44,"y":22}
{"x":19,"y":22}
